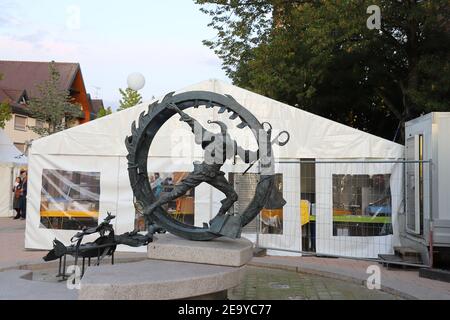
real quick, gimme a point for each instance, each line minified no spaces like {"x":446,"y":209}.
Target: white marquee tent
{"x":98,"y":146}
{"x":11,"y":159}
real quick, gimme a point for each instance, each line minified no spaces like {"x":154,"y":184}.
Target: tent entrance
{"x":308,"y":204}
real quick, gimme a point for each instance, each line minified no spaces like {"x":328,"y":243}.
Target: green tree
{"x":5,"y":114}
{"x":320,"y":56}
{"x":130,"y":98}
{"x":5,"y":111}
{"x":104,"y":112}
{"x":53,"y":106}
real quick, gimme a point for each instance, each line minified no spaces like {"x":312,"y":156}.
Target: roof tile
{"x":26,"y":75}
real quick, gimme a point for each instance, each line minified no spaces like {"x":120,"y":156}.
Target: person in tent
{"x":156,"y":185}
{"x":17,"y":190}
{"x":23,"y":195}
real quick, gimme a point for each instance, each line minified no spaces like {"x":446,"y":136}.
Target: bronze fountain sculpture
{"x":218,"y":147}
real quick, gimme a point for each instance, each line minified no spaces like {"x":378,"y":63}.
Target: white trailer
{"x":425,"y":226}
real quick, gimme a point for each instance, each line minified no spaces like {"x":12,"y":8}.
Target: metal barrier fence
{"x":352,"y":209}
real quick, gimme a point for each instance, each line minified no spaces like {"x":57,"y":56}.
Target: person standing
{"x":17,"y":190}
{"x":23,"y":195}
{"x":156,"y":184}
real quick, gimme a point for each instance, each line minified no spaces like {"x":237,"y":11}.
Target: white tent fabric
{"x":98,"y":146}
{"x":362,"y":247}
{"x":9,"y":154}
{"x":10,"y":161}
{"x":317,"y":137}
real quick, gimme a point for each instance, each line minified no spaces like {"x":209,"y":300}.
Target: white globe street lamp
{"x":136,"y":81}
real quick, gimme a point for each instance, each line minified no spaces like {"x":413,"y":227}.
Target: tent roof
{"x":312,"y":136}
{"x":8,"y":152}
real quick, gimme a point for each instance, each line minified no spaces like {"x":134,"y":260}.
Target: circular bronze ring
{"x":142,"y":135}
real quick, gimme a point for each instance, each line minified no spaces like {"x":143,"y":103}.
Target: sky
{"x":162,"y":39}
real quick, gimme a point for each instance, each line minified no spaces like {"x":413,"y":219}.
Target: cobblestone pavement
{"x":404,"y":282}
{"x":272,"y":284}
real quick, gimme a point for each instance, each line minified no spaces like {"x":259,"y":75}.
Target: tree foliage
{"x":5,"y":114}
{"x":320,"y":56}
{"x":130,"y":98}
{"x":5,"y":111}
{"x":104,"y":112}
{"x":53,"y":106}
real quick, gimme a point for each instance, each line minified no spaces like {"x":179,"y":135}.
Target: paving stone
{"x":399,"y":282}
{"x":15,"y":285}
{"x":318,"y":287}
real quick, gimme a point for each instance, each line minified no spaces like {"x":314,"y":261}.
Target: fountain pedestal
{"x":176,"y":269}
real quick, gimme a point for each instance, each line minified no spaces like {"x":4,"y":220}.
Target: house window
{"x":20,"y":146}
{"x":20,"y":123}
